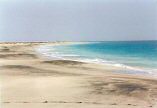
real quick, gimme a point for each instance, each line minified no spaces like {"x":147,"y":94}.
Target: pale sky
{"x":78,"y":20}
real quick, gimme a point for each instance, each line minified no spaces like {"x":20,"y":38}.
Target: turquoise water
{"x":129,"y":54}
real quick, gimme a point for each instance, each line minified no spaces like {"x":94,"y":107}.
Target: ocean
{"x":135,"y":56}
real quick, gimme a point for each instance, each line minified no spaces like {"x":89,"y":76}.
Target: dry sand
{"x":28,"y":80}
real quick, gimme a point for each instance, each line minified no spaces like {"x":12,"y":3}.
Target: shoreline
{"x":29,"y":80}
{"x":125,"y":68}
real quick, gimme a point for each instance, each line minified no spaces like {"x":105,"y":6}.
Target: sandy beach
{"x":28,"y":80}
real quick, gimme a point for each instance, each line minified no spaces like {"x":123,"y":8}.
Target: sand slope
{"x":31,"y":81}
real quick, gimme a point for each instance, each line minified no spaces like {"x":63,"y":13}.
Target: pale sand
{"x":31,"y":81}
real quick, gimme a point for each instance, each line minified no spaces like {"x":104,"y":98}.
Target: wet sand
{"x":28,"y":80}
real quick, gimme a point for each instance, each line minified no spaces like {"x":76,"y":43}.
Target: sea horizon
{"x":42,"y":41}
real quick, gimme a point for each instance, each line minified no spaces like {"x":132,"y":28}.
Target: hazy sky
{"x":50,"y":20}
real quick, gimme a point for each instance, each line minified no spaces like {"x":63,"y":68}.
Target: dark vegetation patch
{"x":17,"y":56}
{"x":63,"y":62}
{"x":29,"y":70}
{"x":128,"y":88}
{"x":120,"y":87}
{"x":4,"y":49}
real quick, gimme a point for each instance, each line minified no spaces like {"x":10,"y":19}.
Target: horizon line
{"x":72,"y":41}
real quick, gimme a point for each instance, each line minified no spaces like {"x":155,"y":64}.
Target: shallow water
{"x":140,"y":56}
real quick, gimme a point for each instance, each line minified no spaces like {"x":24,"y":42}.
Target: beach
{"x":27,"y":79}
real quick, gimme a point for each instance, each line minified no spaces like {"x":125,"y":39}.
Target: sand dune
{"x":29,"y":80}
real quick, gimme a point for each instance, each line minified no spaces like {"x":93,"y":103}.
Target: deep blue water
{"x":135,"y":54}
